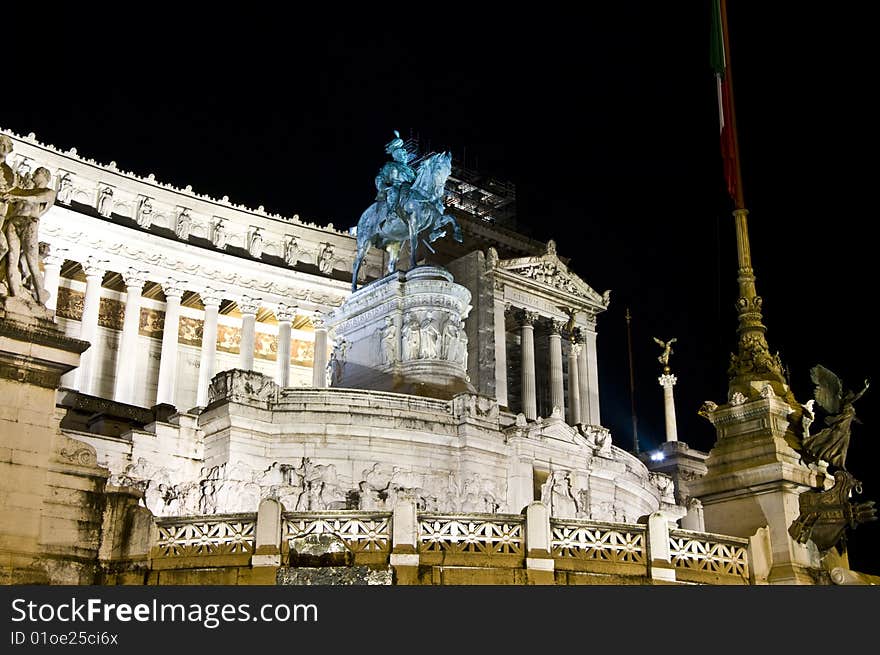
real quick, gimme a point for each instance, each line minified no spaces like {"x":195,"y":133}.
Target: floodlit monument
{"x":196,"y":392}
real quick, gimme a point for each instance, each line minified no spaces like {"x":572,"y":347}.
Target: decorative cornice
{"x":194,"y":270}
{"x":71,"y":154}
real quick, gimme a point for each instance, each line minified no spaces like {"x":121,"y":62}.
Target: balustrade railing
{"x":591,"y":540}
{"x":720,"y":555}
{"x":492,"y":534}
{"x":574,"y":545}
{"x":368,"y":532}
{"x":230,"y":534}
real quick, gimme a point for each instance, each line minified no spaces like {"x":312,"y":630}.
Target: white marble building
{"x":172,"y":288}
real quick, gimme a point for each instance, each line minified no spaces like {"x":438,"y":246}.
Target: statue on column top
{"x":667,"y":351}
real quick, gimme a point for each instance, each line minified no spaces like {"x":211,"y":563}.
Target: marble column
{"x":319,"y":366}
{"x":667,"y":381}
{"x":583,"y":388}
{"x":94,"y":271}
{"x":126,"y":356}
{"x":285,"y":315}
{"x":52,"y":262}
{"x":170,"y":332}
{"x":211,"y":300}
{"x":527,"y":337}
{"x":248,"y":308}
{"x":557,"y":382}
{"x":574,"y":387}
{"x":500,"y":354}
{"x":592,"y":369}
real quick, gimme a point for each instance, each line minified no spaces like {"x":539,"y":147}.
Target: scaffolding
{"x":483,"y":198}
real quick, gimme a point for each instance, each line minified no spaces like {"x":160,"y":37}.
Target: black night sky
{"x":606,"y":121}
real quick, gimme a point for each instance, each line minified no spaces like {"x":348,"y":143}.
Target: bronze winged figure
{"x":831,"y":442}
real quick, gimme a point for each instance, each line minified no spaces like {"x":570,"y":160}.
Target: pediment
{"x":549,"y":271}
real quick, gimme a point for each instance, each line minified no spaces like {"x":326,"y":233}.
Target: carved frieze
{"x":111,"y":313}
{"x":152,"y":323}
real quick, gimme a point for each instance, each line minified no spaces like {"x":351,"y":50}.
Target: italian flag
{"x":725,"y":106}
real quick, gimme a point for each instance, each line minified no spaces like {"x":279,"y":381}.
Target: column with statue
{"x":667,"y":380}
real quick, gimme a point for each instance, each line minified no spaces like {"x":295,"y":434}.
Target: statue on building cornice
{"x":407,"y":205}
{"x":24,"y":204}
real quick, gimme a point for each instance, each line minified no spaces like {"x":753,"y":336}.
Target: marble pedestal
{"x":753,"y":482}
{"x":403,"y":333}
{"x":51,"y":487}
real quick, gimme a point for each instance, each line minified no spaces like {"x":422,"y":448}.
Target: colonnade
{"x":582,"y":397}
{"x":84,"y":378}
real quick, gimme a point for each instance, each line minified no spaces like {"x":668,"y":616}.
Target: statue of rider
{"x":394,"y":173}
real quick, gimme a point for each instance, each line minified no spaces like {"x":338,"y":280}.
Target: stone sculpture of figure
{"x":20,"y":235}
{"x":394,"y":173}
{"x":325,"y":259}
{"x":105,"y":201}
{"x":183,"y":225}
{"x":144,"y":214}
{"x":291,"y":251}
{"x":667,"y":351}
{"x":219,"y":235}
{"x":7,"y":182}
{"x":462,"y":348}
{"x":411,"y":338}
{"x":562,"y":503}
{"x":430,"y":339}
{"x":449,"y":351}
{"x":65,"y":189}
{"x":389,"y":341}
{"x":336,"y":365}
{"x":832,"y":442}
{"x":368,"y":498}
{"x":255,"y":244}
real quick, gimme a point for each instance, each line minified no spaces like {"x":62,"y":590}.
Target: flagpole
{"x":632,"y":385}
{"x":753,"y":361}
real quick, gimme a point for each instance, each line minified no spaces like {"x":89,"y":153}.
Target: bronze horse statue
{"x":419,"y":209}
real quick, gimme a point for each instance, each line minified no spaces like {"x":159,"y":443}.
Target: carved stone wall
{"x":471,"y":272}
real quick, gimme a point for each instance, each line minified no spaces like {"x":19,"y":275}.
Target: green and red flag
{"x":718,"y":59}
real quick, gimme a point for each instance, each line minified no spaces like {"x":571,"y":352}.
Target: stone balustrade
{"x":531,"y":543}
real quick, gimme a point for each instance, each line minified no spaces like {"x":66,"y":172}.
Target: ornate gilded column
{"x":211,"y":299}
{"x":52,"y":262}
{"x":126,"y":356}
{"x":94,"y":271}
{"x":170,"y":331}
{"x":527,"y":337}
{"x":248,"y":308}
{"x":574,"y":387}
{"x":557,"y":381}
{"x":284,"y":314}
{"x":667,"y":381}
{"x":500,"y":353}
{"x":319,"y":362}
